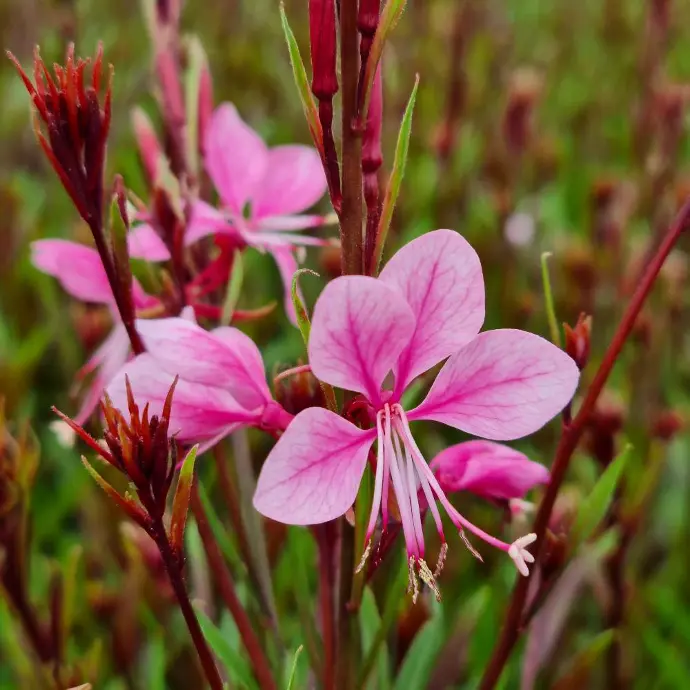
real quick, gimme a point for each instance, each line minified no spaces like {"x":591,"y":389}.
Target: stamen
{"x":364,"y":558}
{"x":400,"y":491}
{"x":441,"y":561}
{"x":428,"y":578}
{"x":412,"y":491}
{"x":378,"y":482}
{"x":412,"y":583}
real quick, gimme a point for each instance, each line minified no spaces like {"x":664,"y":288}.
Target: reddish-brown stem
{"x":351,"y":208}
{"x":570,"y":437}
{"x":325,"y":539}
{"x":226,"y":588}
{"x":174,"y":570}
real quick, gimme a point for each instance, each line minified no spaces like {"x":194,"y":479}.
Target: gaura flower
{"x":490,"y":470}
{"x":221,"y":384}
{"x":427,"y":305}
{"x":81,"y":274}
{"x":262,"y":190}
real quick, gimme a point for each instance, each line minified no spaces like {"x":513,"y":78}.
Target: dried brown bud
{"x":525,"y":88}
{"x":297,"y":389}
{"x":578,"y":340}
{"x":667,"y":424}
{"x":604,"y":424}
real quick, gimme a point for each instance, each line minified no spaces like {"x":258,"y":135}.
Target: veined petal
{"x":236,"y":157}
{"x":440,"y":276}
{"x":503,"y":385}
{"x":314,"y":470}
{"x":292,"y":223}
{"x":78,"y":268}
{"x":207,"y":220}
{"x":487,"y":469}
{"x":226,"y":359}
{"x":144,"y":243}
{"x":198,"y":411}
{"x":294,"y":180}
{"x":359,"y":327}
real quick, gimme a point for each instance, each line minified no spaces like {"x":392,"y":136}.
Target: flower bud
{"x":578,"y":340}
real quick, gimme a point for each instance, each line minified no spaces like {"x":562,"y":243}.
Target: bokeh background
{"x":540,"y":126}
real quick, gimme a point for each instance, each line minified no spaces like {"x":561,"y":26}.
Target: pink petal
{"x":505,"y":384}
{"x":292,"y":223}
{"x":287,"y":265}
{"x":108,"y":359}
{"x":312,"y":474}
{"x":359,"y":327}
{"x":76,"y":266}
{"x":227,"y":360}
{"x":487,"y":469}
{"x":206,"y":220}
{"x":294,"y":180}
{"x":236,"y":157}
{"x":440,"y":276}
{"x":144,"y":243}
{"x":198,"y":411}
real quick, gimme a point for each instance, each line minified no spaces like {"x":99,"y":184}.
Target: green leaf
{"x":180,"y":504}
{"x":235,"y":665}
{"x":594,"y":506}
{"x":369,"y":623}
{"x":578,"y":675}
{"x":196,"y":64}
{"x":291,"y":680}
{"x":232,"y":295}
{"x":396,"y":178}
{"x":420,"y":659}
{"x":302,"y":82}
{"x":548,"y":300}
{"x":153,"y":664}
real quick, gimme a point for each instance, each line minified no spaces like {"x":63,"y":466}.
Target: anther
{"x":364,"y":558}
{"x":469,"y":546}
{"x":412,"y":582}
{"x":441,"y":559}
{"x":428,"y":578}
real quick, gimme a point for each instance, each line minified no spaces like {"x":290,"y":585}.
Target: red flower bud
{"x":578,"y":340}
{"x":323,"y":44}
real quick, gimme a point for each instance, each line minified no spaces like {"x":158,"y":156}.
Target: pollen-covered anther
{"x":469,"y":546}
{"x":412,"y":582}
{"x":428,"y":578}
{"x":365,"y":557}
{"x":520,"y":555}
{"x":441,"y":559}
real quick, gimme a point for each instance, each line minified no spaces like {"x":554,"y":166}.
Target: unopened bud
{"x":322,"y":34}
{"x":298,"y":391}
{"x":667,"y":424}
{"x":525,"y":88}
{"x":578,"y":340}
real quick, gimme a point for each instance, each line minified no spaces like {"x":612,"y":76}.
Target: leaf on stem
{"x":397,"y":174}
{"x":291,"y":680}
{"x":548,"y":300}
{"x":180,"y":505}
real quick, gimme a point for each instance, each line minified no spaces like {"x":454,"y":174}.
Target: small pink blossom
{"x":488,"y":469}
{"x":221,"y":385}
{"x":81,"y":274}
{"x":427,"y":305}
{"x":263,"y":192}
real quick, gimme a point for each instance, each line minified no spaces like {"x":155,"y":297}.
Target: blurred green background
{"x":540,"y":126}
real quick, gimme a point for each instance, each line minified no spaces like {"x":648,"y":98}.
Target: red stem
{"x":570,"y":437}
{"x":325,"y":538}
{"x":227,"y":592}
{"x":174,"y":571}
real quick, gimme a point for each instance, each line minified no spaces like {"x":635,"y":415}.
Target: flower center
{"x":399,"y":460}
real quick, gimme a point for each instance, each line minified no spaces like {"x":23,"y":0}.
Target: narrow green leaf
{"x":153,"y":664}
{"x":578,"y":675}
{"x":396,"y":178}
{"x":302,"y":82}
{"x":594,"y":506}
{"x":291,"y":680}
{"x":232,"y":295}
{"x":362,"y":507}
{"x":548,"y":300}
{"x":304,"y":325}
{"x":369,"y":623}
{"x":420,"y":659}
{"x":220,"y":534}
{"x":196,"y":63}
{"x":235,"y":665}
{"x":180,"y":505}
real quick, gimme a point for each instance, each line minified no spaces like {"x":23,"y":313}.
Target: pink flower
{"x":81,"y":274}
{"x":490,"y":470}
{"x":221,"y":385}
{"x":262,"y":192}
{"x":427,"y":305}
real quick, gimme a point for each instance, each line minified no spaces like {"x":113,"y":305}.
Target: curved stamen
{"x":412,"y":493}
